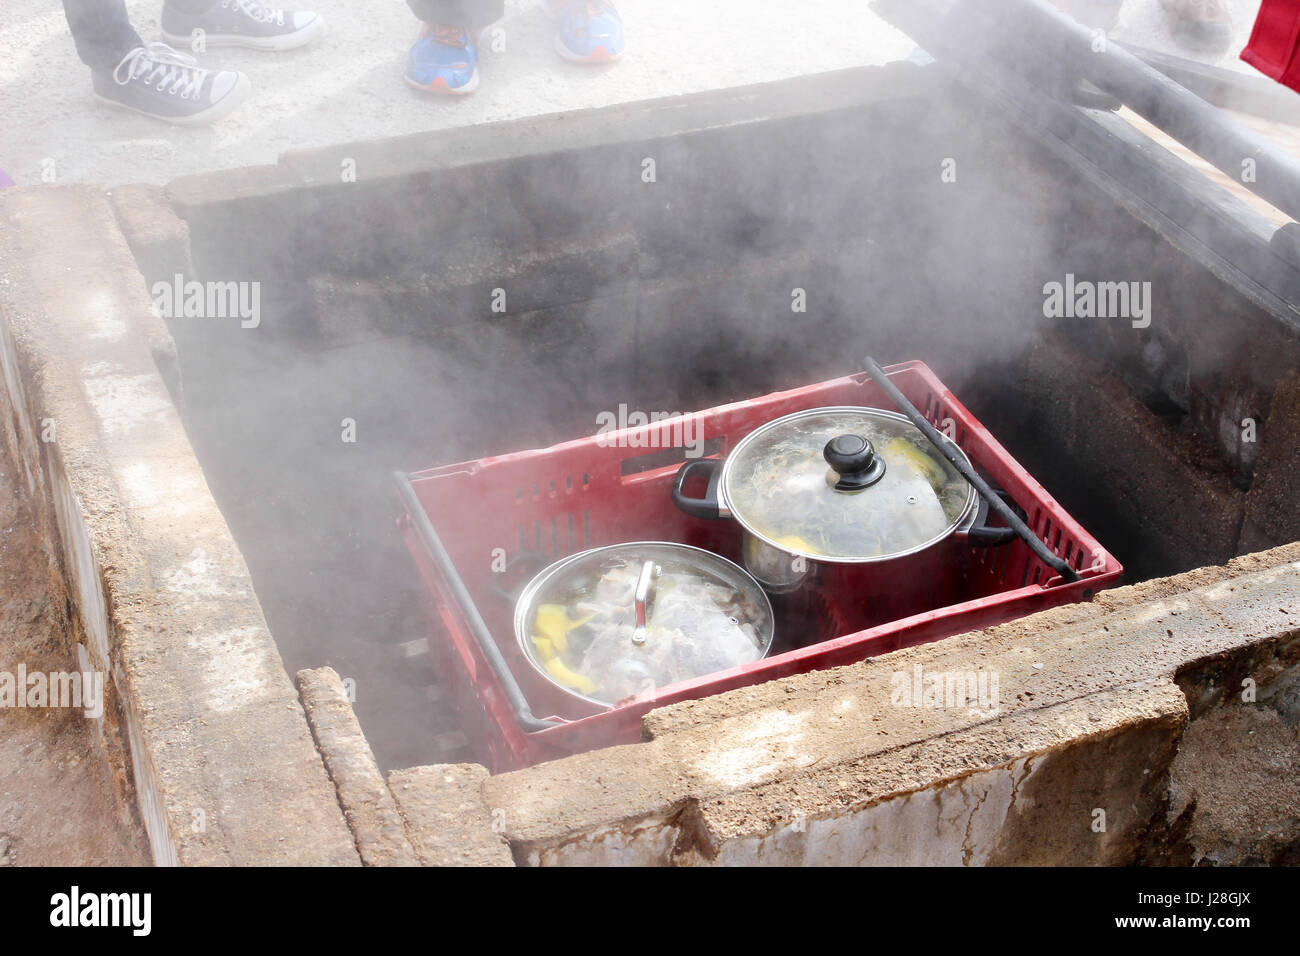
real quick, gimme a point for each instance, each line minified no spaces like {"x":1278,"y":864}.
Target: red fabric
{"x":1273,"y":42}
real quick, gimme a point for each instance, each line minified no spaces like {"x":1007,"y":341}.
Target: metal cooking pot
{"x":833,"y":487}
{"x":620,"y":621}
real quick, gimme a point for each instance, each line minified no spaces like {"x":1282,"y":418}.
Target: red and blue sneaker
{"x":587,"y":31}
{"x":443,"y":60}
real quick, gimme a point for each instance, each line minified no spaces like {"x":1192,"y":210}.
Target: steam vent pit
{"x":293,"y":452}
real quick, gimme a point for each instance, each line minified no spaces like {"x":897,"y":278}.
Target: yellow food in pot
{"x":900,"y":448}
{"x":560,"y":671}
{"x":554,"y":623}
{"x":793,"y":542}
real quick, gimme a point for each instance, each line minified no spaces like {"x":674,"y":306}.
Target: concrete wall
{"x":1156,"y":725}
{"x":1078,"y":765}
{"x":1159,"y":724}
{"x":222,"y":762}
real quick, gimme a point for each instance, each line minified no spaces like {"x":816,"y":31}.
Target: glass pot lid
{"x":622,"y":620}
{"x":844,"y":484}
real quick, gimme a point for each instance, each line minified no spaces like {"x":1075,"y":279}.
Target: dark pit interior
{"x":676,"y":295}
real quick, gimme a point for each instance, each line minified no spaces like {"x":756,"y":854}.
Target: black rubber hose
{"x":424,"y":528}
{"x":996,"y":504}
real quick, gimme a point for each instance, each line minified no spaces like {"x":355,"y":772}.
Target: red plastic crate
{"x":461,"y":520}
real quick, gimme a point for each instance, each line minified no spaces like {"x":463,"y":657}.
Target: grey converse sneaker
{"x":159,"y":82}
{"x":242,"y":23}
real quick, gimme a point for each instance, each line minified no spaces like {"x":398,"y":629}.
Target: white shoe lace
{"x":161,"y":67}
{"x":255,"y":10}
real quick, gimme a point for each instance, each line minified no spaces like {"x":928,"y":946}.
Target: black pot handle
{"x":981,"y":534}
{"x":706,"y":507}
{"x":519,"y":571}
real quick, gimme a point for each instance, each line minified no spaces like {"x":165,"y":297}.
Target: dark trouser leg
{"x":470,"y":14}
{"x":102,"y":32}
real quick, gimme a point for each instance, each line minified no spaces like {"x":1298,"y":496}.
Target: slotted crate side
{"x":1063,"y":535}
{"x":482,"y":507}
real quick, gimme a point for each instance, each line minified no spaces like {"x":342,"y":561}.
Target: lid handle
{"x":642,"y":596}
{"x":855,"y":461}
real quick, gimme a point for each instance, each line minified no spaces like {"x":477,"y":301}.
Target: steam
{"x":481,"y":308}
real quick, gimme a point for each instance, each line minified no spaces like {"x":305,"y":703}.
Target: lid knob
{"x":855,"y":461}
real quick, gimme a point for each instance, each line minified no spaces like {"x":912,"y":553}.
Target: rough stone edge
{"x":367,"y":803}
{"x":447,"y":816}
{"x":620,"y":124}
{"x":759,"y":825}
{"x":623,"y":787}
{"x":1024,"y":744}
{"x":103,"y":554}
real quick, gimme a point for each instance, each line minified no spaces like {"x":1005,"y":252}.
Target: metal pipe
{"x":996,"y":504}
{"x":429,"y":536}
{"x":1225,"y":88}
{"x":1049,"y":51}
{"x":1201,"y":127}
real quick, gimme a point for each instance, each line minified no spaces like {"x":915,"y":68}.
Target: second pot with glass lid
{"x":835,"y":486}
{"x":623,"y":620}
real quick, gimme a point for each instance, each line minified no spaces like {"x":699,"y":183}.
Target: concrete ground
{"x":348,"y":86}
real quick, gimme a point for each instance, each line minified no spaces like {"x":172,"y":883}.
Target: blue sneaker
{"x":443,"y":60}
{"x":587,"y":31}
